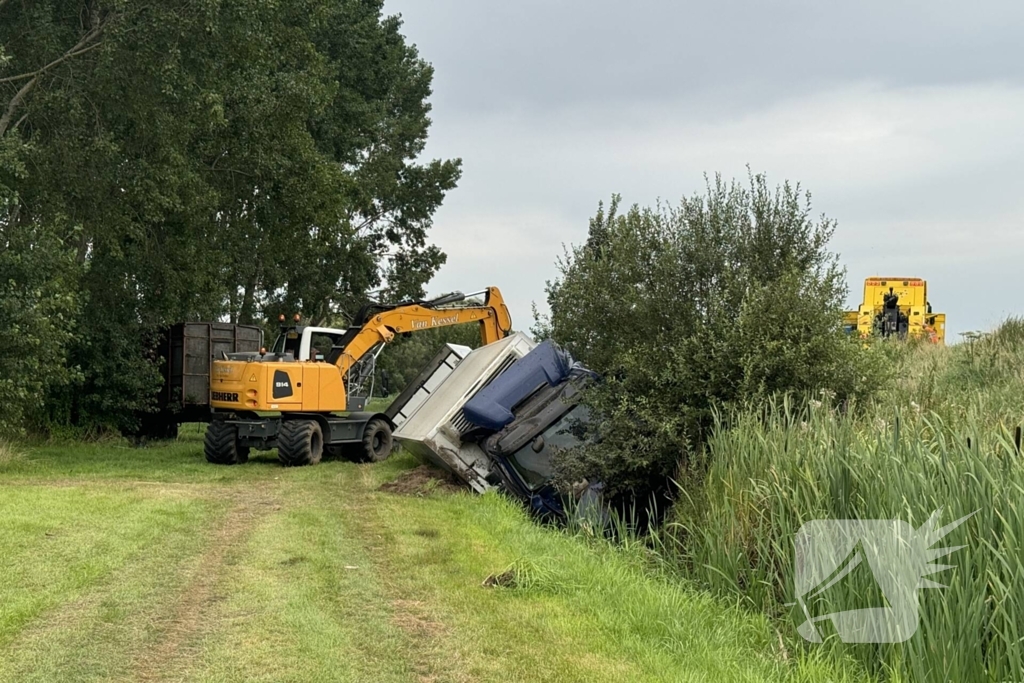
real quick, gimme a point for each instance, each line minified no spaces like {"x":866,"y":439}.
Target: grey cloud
{"x":903,"y":119}
{"x":544,"y":53}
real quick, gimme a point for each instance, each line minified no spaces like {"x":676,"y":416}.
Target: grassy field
{"x":129,"y":564}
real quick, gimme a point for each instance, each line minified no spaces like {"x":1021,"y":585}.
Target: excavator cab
{"x":301,"y":342}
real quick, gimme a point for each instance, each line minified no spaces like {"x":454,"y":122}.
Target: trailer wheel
{"x":300,"y":442}
{"x":221,"y":445}
{"x":377,"y":441}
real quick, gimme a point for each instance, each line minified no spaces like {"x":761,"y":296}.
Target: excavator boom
{"x":382,"y":326}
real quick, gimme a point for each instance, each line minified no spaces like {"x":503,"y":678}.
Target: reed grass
{"x":943,"y":438}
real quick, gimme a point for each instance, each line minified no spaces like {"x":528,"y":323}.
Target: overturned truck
{"x":496,"y":417}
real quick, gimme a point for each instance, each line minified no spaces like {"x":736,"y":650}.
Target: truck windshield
{"x":533,"y":461}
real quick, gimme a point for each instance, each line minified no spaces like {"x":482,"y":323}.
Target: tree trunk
{"x":246,"y":313}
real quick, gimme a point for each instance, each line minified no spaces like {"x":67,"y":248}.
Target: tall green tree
{"x":213,"y":158}
{"x":37,"y":313}
{"x":731,"y":295}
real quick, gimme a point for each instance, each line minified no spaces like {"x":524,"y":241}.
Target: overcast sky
{"x":905,"y":120}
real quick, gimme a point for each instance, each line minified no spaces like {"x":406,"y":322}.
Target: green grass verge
{"x":127,"y":564}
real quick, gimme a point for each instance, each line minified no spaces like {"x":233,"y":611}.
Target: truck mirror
{"x":538,"y":444}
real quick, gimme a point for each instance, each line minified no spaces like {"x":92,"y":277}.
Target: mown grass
{"x":83,"y":569}
{"x":941,"y":439}
{"x":572,"y":610}
{"x":125,"y":564}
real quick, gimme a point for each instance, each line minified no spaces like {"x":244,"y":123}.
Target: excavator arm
{"x":382,"y":325}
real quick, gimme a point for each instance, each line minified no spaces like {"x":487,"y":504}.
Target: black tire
{"x":377,"y":441}
{"x":221,"y":445}
{"x":300,"y":442}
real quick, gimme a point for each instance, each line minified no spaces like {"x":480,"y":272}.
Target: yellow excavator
{"x":897,"y":307}
{"x":293,"y":397}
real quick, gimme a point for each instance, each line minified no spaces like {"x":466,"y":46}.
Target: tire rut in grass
{"x":187,"y":618}
{"x":431,"y":660}
{"x":429,"y":653}
{"x":99,"y":620}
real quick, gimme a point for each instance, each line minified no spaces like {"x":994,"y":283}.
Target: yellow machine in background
{"x":897,"y":307}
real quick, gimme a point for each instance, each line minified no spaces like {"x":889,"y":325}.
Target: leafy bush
{"x":728,"y":296}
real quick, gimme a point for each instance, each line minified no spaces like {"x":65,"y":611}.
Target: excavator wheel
{"x":221,"y":445}
{"x":377,"y":441}
{"x":300,"y":442}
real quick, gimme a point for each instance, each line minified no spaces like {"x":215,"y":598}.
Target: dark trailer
{"x":186,"y":352}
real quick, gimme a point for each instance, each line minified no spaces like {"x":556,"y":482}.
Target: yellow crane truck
{"x":298,"y":402}
{"x":897,"y":307}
